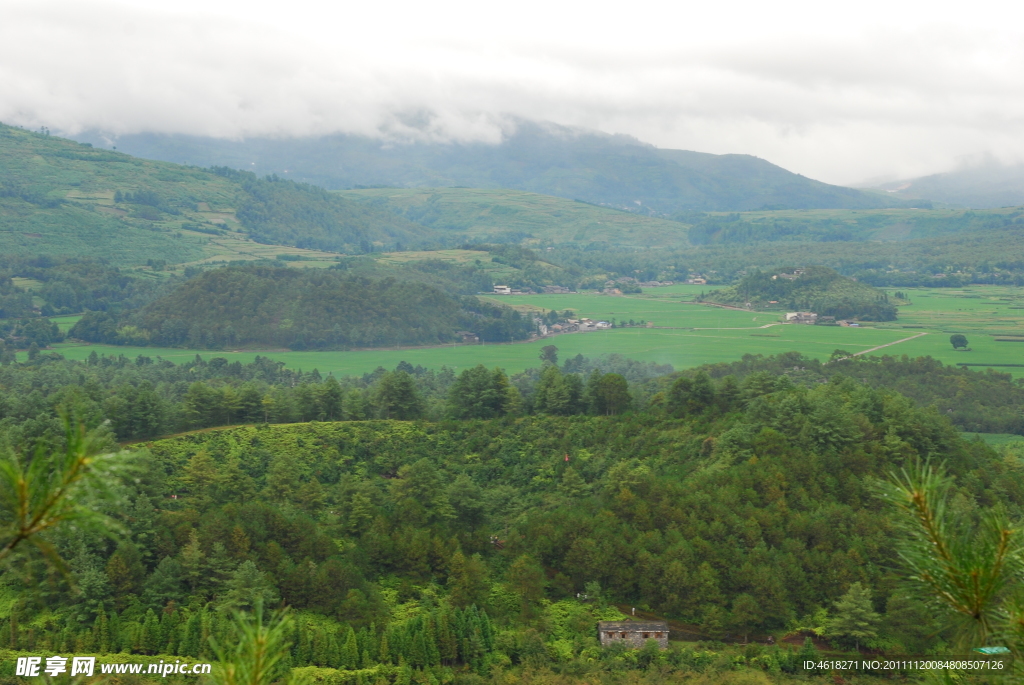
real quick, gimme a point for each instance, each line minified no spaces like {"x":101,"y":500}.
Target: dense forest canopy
{"x":302,"y":309}
{"x":736,"y":507}
{"x":812,"y":289}
{"x":282,"y":212}
{"x":976,"y":401}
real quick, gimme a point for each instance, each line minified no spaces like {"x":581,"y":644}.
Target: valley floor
{"x":687,"y":334}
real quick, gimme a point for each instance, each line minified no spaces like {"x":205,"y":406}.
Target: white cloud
{"x":834,"y":92}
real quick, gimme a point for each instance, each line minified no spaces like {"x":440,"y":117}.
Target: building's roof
{"x":633,"y":625}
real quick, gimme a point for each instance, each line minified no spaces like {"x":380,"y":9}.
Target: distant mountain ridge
{"x":614,"y":170}
{"x":986,"y":186}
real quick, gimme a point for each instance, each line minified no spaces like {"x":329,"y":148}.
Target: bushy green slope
{"x":301,"y":309}
{"x":280,"y":212}
{"x":818,"y":289}
{"x":521,"y":217}
{"x":738,"y":509}
{"x":60,"y":198}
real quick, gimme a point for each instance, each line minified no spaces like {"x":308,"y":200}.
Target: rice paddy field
{"x":991,"y":317}
{"x":687,"y":334}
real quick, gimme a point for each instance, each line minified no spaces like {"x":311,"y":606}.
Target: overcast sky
{"x":842,"y":92}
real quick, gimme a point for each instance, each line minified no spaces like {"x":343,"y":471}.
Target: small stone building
{"x":634,"y":633}
{"x":801,"y":317}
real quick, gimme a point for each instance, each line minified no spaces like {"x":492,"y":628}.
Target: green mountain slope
{"x":58,"y":197}
{"x":845,"y":225}
{"x":538,"y":157}
{"x":521,"y":217}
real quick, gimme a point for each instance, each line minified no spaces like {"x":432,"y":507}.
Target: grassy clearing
{"x":29,"y":284}
{"x":235,"y":247}
{"x":481,"y":260}
{"x":527,"y":217}
{"x":996,"y":439}
{"x":64,"y":323}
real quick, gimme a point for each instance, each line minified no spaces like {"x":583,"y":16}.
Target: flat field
{"x":688,"y":334}
{"x":64,"y":323}
{"x":991,"y":317}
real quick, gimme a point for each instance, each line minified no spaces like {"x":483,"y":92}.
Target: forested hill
{"x":301,"y":309}
{"x":813,"y":289}
{"x":538,"y":157}
{"x":62,"y":198}
{"x":415,"y":550}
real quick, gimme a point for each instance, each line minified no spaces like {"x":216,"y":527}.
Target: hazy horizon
{"x":840,"y":94}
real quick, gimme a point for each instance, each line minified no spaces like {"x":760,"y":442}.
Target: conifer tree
{"x":125,"y":572}
{"x":447,"y":643}
{"x":397,"y":398}
{"x":102,"y":630}
{"x":334,"y":659}
{"x":368,"y":641}
{"x":319,"y":647}
{"x":384,"y":653}
{"x":208,"y":624}
{"x":302,"y":650}
{"x":855,"y":619}
{"x":87,"y":641}
{"x":350,"y":651}
{"x":404,"y":674}
{"x":193,"y":561}
{"x":433,"y":654}
{"x":808,"y":652}
{"x":486,"y":631}
{"x":418,"y":651}
{"x":193,"y":634}
{"x":115,"y":633}
{"x":467,"y":580}
{"x":150,"y":639}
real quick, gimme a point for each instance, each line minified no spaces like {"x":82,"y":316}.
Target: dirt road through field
{"x":897,"y":342}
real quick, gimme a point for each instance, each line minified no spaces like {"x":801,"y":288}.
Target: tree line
{"x":302,"y":309}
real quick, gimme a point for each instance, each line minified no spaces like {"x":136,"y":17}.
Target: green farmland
{"x":687,"y":334}
{"x":992,"y":318}
{"x":680,"y":348}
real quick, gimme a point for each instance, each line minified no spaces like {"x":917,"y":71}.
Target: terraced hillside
{"x":62,"y":198}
